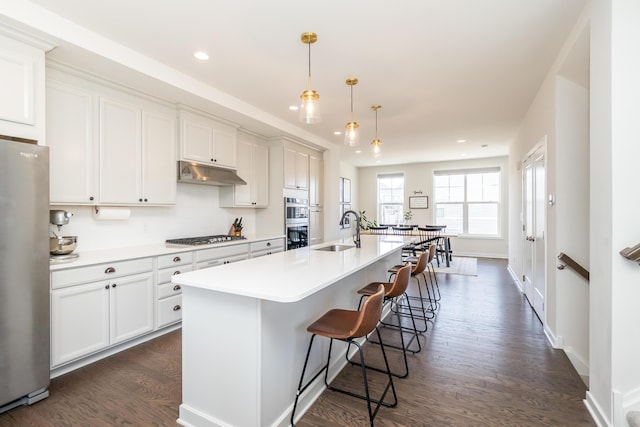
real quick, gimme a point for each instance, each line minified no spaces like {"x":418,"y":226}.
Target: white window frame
{"x":466,"y":203}
{"x":379,"y":204}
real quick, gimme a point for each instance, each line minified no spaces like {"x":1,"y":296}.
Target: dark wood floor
{"x":485,"y":362}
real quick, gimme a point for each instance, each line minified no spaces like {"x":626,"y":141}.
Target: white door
{"x":534,"y":224}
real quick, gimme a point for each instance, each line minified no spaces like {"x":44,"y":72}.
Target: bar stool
{"x":392,"y":292}
{"x":417,"y":269}
{"x":433,"y":296}
{"x":347,"y":326}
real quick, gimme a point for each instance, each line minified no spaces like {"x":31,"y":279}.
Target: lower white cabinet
{"x":96,"y":314}
{"x":266,"y":247}
{"x":169,"y":296}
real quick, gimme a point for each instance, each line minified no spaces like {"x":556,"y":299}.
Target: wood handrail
{"x":572,"y":264}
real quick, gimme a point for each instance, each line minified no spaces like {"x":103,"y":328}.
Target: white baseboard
{"x":596,"y":412}
{"x":514,"y":276}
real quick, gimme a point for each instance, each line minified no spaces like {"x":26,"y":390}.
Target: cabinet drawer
{"x":264,"y":245}
{"x":169,"y":310}
{"x":217,"y":262}
{"x":175,"y":259}
{"x":165,"y":274}
{"x":93,"y":273}
{"x":222,"y":252}
{"x":168,"y":290}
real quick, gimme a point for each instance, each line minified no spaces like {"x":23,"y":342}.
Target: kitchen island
{"x":244,"y":328}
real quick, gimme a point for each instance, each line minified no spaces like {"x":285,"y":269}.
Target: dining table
{"x":425,"y":234}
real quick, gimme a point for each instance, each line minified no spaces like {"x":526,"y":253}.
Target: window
{"x":390,"y":198}
{"x":468,"y":201}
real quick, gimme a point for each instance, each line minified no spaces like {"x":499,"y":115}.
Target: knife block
{"x":234,"y":232}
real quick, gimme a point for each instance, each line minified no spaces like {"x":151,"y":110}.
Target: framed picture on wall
{"x":347,"y":221}
{"x":345,"y":190}
{"x":419,"y":202}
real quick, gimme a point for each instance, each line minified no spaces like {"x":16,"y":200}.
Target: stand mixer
{"x":61,"y":247}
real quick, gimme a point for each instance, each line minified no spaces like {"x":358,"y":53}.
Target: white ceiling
{"x":443,"y":70}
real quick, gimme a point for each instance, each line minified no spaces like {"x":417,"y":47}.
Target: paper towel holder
{"x":111,"y":213}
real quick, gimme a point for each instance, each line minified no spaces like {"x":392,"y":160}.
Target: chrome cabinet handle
{"x":175,"y":273}
{"x":110,"y":270}
{"x":177,"y":259}
{"x":176,"y":307}
{"x":177,"y":288}
{"x":114,"y":285}
{"x":106,"y":287}
{"x":268,"y":243}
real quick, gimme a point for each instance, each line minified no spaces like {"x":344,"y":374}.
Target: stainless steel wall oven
{"x":296,"y":214}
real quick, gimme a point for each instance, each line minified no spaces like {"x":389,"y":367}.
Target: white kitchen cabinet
{"x":137,"y":154}
{"x":22,"y":88}
{"x":95,"y":307}
{"x":316,"y":231}
{"x":72,"y":139}
{"x":79,"y":321}
{"x":169,"y":304}
{"x":315,"y":180}
{"x":207,"y":141}
{"x":253,"y":167}
{"x":266,"y":247}
{"x":296,"y":169}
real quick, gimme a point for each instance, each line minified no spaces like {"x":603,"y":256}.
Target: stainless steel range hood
{"x":196,"y":173}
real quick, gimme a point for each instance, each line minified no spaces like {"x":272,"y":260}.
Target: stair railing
{"x":567,"y":261}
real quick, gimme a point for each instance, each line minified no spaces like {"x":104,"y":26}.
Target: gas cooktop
{"x":202,"y":240}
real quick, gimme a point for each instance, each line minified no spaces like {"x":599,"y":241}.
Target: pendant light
{"x":376,"y":144}
{"x":352,"y":135}
{"x":310,"y":108}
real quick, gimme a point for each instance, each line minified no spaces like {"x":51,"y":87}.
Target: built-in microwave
{"x":296,"y":214}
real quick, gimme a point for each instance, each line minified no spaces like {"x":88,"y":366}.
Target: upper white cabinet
{"x":296,"y":169}
{"x":205,"y":140}
{"x":315,"y":178}
{"x":72,"y":139}
{"x":137,"y":154}
{"x":107,"y":146}
{"x":253,"y":167}
{"x":22,"y":89}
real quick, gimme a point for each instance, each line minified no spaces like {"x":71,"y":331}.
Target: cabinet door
{"x":132,"y":305}
{"x":290,"y":157}
{"x":120,"y":153}
{"x":158,"y":159}
{"x":197,"y":141}
{"x":244,"y":193}
{"x":17,"y":91}
{"x":315,"y":226}
{"x":302,"y":171}
{"x":224,"y":143}
{"x":314,"y":180}
{"x":72,"y":139}
{"x":260,"y":176}
{"x":79,"y":321}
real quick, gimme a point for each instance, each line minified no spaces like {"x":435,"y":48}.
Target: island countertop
{"x":292,"y":275}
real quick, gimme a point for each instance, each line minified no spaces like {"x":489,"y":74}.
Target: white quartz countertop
{"x":132,"y":252}
{"x":292,"y":275}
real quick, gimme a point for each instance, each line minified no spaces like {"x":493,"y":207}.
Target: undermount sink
{"x":335,"y":248}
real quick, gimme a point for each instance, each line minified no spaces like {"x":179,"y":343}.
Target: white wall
{"x":615,"y":209}
{"x":196,"y":213}
{"x":419,"y":177}
{"x":572,"y":216}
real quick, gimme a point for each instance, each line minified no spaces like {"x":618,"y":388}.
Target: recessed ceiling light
{"x":358,"y":151}
{"x":484,"y":146}
{"x":337,"y":132}
{"x":293,"y":107}
{"x":460,"y":141}
{"x":202,"y":56}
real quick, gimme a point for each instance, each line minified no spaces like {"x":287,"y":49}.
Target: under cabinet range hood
{"x":197,"y":173}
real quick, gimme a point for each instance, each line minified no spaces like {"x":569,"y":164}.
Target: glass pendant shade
{"x":376,"y":148}
{"x":310,"y":107}
{"x":352,"y":135}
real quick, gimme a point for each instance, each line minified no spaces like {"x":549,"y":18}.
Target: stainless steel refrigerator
{"x":24,"y":272}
